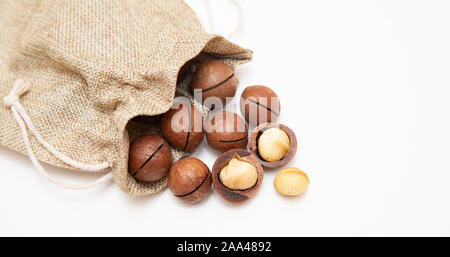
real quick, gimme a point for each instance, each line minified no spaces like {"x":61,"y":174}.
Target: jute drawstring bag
{"x":74,"y":73}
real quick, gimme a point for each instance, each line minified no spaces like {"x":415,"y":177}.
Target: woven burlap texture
{"x":93,"y":65}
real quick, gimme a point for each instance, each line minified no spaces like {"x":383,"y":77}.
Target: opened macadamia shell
{"x":222,"y":161}
{"x":253,"y":144}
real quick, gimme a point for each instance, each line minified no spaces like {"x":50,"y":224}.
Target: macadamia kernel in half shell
{"x":235,"y":168}
{"x":238,"y":174}
{"x":273,"y":144}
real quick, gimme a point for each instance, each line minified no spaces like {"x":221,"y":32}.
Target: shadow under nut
{"x":234,"y":195}
{"x":253,"y":144}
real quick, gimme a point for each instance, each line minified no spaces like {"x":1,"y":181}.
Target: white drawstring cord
{"x":239,"y":23}
{"x":22,"y":119}
{"x":12,"y":101}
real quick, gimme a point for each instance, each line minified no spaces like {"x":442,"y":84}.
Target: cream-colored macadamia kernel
{"x":238,"y":175}
{"x":273,"y":144}
{"x":291,"y":182}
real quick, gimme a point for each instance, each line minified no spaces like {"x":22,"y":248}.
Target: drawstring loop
{"x":12,"y":102}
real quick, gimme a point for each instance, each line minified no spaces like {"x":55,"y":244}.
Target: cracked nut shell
{"x":254,"y":138}
{"x":182,"y":126}
{"x":214,"y":79}
{"x":149,"y":158}
{"x":259,"y":104}
{"x":222,"y":161}
{"x":225,"y":131}
{"x":190,"y":179}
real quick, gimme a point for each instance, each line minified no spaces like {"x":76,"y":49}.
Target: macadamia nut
{"x":238,"y":175}
{"x":216,"y":81}
{"x":149,"y":158}
{"x":225,"y":131}
{"x":273,"y":144}
{"x":232,"y":166}
{"x":291,"y":182}
{"x":259,"y":104}
{"x":190,"y":179}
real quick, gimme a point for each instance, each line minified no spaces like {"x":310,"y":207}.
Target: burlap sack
{"x":91,"y":67}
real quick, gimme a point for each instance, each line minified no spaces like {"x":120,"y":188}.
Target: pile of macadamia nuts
{"x":238,"y":172}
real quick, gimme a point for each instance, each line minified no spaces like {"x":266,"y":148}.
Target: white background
{"x":365,"y":85}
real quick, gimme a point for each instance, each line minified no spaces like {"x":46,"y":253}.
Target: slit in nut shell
{"x":149,"y":158}
{"x":259,"y":104}
{"x":214,"y":80}
{"x":226,"y":130}
{"x":189,"y":179}
{"x":182,"y":126}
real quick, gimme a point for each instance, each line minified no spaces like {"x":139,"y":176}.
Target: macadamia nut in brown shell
{"x":226,"y":130}
{"x":190,"y":179}
{"x":259,"y":104}
{"x":149,"y":158}
{"x":214,"y":79}
{"x":182,"y":126}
